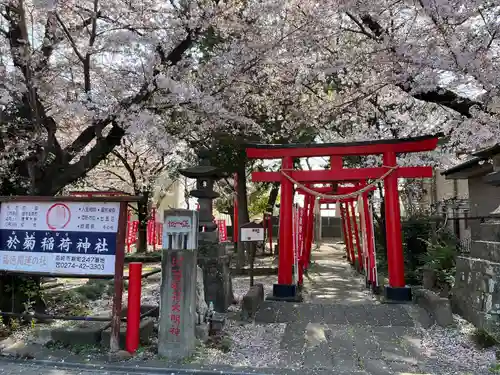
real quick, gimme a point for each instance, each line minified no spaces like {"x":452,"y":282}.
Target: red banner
{"x":300,"y":218}
{"x":159,"y":231}
{"x":221,"y":224}
{"x":132,"y":228}
{"x":150,"y":231}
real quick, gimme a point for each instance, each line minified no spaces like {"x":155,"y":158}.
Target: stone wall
{"x":483,"y":200}
{"x":476,"y":293}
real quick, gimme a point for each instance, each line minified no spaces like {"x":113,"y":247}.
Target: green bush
{"x":440,"y":256}
{"x":413,"y":230}
{"x":483,"y":339}
{"x":423,"y":247}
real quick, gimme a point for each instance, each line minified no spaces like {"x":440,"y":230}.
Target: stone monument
{"x":178,"y":315}
{"x":212,"y":256}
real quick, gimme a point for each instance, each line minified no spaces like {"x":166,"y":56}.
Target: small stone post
{"x":176,"y":336}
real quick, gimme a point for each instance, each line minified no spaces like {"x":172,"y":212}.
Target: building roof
{"x":473,"y":166}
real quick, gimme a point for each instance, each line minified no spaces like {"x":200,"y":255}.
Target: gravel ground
{"x":454,"y":347}
{"x":251,"y":345}
{"x":254,"y":345}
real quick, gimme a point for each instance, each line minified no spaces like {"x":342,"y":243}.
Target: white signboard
{"x":180,"y":229}
{"x":72,"y":238}
{"x":252,"y":234}
{"x":178,"y":224}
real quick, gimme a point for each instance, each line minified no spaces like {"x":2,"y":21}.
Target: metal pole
{"x":134,"y":307}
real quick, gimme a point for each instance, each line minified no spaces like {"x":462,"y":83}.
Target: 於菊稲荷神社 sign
{"x":59,"y":237}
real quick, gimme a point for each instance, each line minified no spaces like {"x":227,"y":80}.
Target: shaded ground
{"x":340,"y":329}
{"x":343,"y":327}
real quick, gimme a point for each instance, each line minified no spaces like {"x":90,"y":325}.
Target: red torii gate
{"x":390,"y":171}
{"x":309,"y":200}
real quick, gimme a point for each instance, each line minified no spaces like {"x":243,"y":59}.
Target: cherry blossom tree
{"x":442,"y":53}
{"x":139,"y":168}
{"x":76,"y":77}
{"x":85,"y":73}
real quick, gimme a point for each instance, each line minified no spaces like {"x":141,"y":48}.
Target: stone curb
{"x":126,"y":367}
{"x":437,"y":307}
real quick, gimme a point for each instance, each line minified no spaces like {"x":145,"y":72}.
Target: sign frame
{"x":188,"y":235}
{"x":250,"y":231}
{"x":121,"y":233}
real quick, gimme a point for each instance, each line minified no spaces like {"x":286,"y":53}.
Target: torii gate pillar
{"x":285,"y":289}
{"x":395,"y":259}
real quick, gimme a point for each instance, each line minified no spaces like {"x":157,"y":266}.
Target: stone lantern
{"x":212,"y":256}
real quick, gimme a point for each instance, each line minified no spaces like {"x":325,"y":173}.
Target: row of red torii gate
{"x":345,"y":187}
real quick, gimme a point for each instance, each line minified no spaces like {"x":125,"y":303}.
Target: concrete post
{"x":176,"y":333}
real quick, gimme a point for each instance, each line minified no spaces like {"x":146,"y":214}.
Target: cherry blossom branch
{"x":127,"y":166}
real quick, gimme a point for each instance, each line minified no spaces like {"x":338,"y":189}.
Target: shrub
{"x":440,"y":257}
{"x":413,"y":230}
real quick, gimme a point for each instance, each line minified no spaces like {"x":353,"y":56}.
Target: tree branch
{"x":439,"y":95}
{"x":142,"y":96}
{"x":70,"y":38}
{"x":127,"y":166}
{"x":62,"y":176}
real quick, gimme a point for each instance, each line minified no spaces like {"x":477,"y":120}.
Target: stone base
{"x":146,"y":329}
{"x":285,"y":293}
{"x":201,"y":332}
{"x":397,"y":294}
{"x":151,"y":310}
{"x":437,"y":307}
{"x":87,"y":333}
{"x":376,"y":289}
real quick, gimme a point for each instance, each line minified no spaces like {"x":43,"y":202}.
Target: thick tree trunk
{"x":143,"y":217}
{"x":243,"y":217}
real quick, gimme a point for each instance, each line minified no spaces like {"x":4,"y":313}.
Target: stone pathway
{"x":341,"y":326}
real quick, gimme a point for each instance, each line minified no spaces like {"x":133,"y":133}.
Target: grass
{"x":483,"y":339}
{"x":495,"y":369}
{"x":74,"y":302}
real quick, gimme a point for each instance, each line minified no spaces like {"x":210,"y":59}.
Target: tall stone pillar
{"x":212,"y":257}
{"x":176,"y":326}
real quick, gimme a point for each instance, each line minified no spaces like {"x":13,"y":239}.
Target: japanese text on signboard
{"x":180,"y":224}
{"x":175,"y":314}
{"x":64,"y":238}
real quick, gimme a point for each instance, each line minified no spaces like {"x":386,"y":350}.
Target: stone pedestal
{"x":215,"y":263}
{"x":176,"y":336}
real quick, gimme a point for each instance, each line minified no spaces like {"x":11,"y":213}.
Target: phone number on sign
{"x":83,"y":266}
